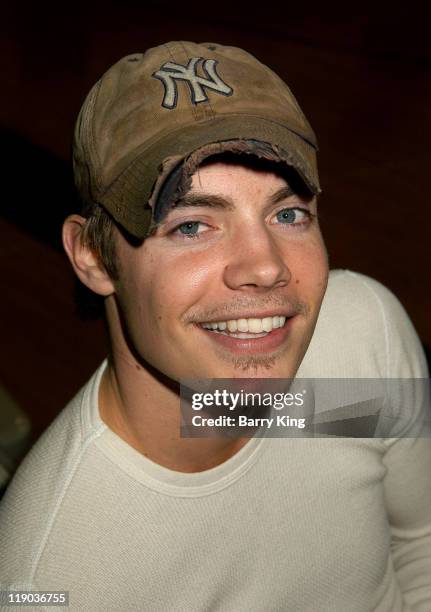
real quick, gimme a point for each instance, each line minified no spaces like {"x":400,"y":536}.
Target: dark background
{"x":361,"y":73}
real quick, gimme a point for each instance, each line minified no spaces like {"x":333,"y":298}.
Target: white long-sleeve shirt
{"x":296,"y":524}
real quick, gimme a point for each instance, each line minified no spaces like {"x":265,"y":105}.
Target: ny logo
{"x":170,"y":73}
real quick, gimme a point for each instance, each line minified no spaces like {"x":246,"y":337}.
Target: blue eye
{"x":189,"y":229}
{"x":293,"y":216}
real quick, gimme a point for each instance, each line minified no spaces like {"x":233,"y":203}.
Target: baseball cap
{"x":153,"y":117}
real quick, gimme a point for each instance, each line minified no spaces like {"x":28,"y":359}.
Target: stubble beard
{"x":253,"y":362}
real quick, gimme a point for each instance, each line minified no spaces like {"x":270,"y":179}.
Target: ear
{"x":87,"y":266}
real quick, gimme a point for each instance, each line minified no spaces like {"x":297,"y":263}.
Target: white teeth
{"x":232,"y":325}
{"x":252,"y":325}
{"x":243,"y":325}
{"x":255,"y":326}
{"x":267,"y":324}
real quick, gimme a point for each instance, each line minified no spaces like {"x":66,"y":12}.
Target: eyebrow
{"x":282,"y":194}
{"x":226,"y":203}
{"x":205,"y":200}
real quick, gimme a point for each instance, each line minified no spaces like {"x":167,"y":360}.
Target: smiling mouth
{"x":245,"y":329}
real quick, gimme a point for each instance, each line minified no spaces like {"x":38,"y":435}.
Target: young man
{"x":198,"y":173}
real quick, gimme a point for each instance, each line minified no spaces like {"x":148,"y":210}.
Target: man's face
{"x":240,"y":250}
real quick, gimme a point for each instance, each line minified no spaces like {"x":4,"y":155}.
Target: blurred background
{"x":361,"y":75}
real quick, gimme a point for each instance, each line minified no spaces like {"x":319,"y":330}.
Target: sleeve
{"x":407,"y":483}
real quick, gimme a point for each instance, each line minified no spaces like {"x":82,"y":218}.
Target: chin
{"x":251,"y":366}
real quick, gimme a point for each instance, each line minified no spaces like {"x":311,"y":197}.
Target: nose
{"x":256,"y":262}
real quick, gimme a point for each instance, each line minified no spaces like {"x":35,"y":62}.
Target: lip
{"x":252,"y":346}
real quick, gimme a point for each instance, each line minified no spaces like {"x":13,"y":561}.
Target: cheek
{"x":187,"y":278}
{"x":309,"y":267}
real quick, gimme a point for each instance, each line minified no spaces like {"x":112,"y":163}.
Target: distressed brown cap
{"x":168,"y":108}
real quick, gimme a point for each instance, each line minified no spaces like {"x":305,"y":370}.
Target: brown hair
{"x":98,"y":234}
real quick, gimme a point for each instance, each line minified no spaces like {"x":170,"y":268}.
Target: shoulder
{"x":362,"y":295}
{"x":36,"y":492}
{"x":364,"y":331}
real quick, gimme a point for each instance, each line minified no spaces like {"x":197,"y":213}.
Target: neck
{"x":145,"y":412}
